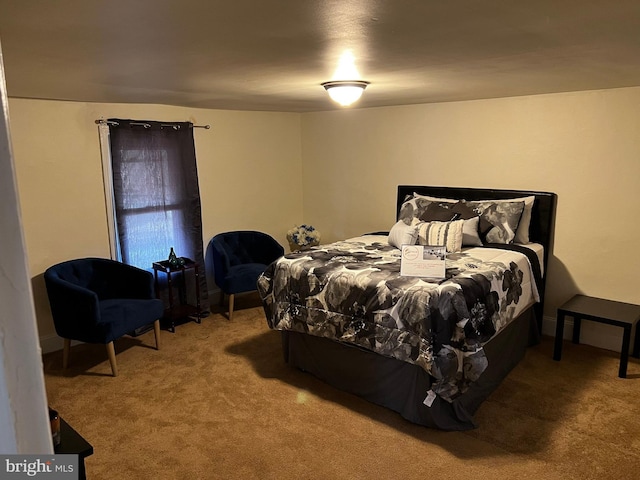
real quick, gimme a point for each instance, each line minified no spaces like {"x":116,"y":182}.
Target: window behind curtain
{"x":156,"y":196}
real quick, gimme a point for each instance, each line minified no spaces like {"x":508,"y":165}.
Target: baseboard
{"x":53,"y":343}
{"x":595,"y":334}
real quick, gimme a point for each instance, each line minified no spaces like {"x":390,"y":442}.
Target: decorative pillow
{"x":416,"y":205}
{"x":403,"y":234}
{"x":410,"y":210}
{"x":503,"y":215}
{"x":522,"y":234}
{"x":448,"y":234}
{"x":474,"y":226}
{"x":438,"y":213}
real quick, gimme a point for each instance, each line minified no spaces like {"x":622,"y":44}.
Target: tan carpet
{"x":218,"y":402}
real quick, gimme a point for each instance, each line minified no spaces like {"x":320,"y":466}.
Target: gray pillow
{"x":503,"y":215}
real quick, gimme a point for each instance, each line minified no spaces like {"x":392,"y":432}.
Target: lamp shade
{"x":345,"y":92}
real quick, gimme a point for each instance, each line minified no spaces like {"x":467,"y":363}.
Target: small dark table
{"x":620,"y":314}
{"x":72,"y":443}
{"x":180,"y":309}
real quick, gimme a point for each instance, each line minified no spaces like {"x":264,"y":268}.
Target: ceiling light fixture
{"x":345,"y":92}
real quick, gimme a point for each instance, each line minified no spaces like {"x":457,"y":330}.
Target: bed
{"x":430,"y":349}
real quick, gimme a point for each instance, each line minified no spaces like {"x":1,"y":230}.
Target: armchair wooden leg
{"x":65,"y":353}
{"x":156,"y":332}
{"x":231,"y":298}
{"x":111,"y":352}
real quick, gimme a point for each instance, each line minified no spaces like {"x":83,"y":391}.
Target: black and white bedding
{"x":352,"y":291}
{"x":430,"y":350}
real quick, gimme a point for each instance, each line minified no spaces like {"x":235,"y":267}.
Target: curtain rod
{"x":146,"y":125}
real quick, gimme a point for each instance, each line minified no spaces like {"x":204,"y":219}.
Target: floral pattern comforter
{"x":352,"y":291}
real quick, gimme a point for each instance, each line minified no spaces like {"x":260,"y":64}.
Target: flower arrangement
{"x":303,"y":236}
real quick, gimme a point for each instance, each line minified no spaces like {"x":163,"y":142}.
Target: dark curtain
{"x":156,"y":194}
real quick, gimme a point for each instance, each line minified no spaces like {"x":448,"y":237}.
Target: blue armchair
{"x":239,"y":258}
{"x":97,"y":300}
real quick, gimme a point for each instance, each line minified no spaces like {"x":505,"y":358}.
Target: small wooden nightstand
{"x":620,"y":314}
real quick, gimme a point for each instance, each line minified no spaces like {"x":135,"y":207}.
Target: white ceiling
{"x":273,"y":54}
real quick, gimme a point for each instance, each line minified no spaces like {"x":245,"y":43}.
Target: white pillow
{"x":402,"y":234}
{"x":448,"y":234}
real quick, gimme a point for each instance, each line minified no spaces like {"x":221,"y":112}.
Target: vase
{"x":173,"y":258}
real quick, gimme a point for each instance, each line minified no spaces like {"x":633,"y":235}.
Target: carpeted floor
{"x":218,"y":402}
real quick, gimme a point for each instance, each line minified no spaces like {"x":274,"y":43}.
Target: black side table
{"x":71,"y":442}
{"x":180,"y":309}
{"x":620,"y":314}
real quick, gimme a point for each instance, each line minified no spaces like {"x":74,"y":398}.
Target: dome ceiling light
{"x":345,"y":92}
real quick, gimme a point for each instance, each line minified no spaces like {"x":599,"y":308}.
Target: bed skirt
{"x":402,"y":387}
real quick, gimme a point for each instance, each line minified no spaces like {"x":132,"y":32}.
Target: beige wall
{"x":583,"y":146}
{"x":248,"y":165}
{"x":254,"y":168}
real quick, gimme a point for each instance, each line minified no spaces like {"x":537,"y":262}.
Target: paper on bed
{"x":423,"y":261}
